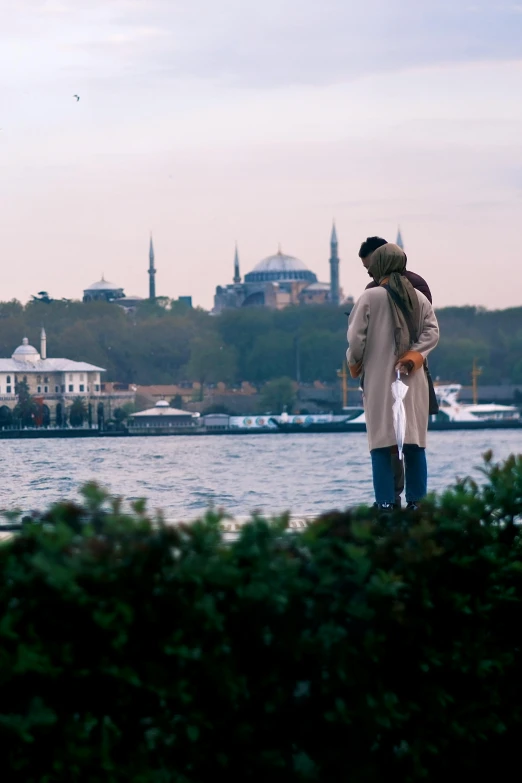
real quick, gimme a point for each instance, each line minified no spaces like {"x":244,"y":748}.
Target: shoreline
{"x":436,"y":426}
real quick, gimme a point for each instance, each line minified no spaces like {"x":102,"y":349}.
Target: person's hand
{"x":405,"y":367}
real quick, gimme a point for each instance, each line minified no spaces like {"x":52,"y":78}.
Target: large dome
{"x":280,"y":267}
{"x":26,"y":352}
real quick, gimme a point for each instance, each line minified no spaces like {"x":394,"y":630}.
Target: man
{"x":365,"y":253}
{"x":370,"y":246}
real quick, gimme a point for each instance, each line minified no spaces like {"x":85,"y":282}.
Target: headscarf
{"x":387,"y":264}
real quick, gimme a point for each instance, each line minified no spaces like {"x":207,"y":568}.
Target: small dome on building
{"x":162,"y":404}
{"x":280,"y":267}
{"x":26,"y":352}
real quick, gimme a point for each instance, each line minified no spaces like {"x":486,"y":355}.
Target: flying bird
{"x":77,"y":98}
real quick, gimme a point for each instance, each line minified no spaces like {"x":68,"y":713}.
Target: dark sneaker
{"x":385,"y":506}
{"x":412,"y":506}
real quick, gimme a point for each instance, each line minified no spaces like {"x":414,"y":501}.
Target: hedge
{"x":366,"y":648}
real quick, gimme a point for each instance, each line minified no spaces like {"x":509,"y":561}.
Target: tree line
{"x":169,"y":342}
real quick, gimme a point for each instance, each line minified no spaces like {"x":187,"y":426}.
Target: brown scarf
{"x":387,"y":266}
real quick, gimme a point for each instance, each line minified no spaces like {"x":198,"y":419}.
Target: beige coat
{"x":370,"y":339}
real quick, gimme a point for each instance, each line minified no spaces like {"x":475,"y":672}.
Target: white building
{"x":53,"y":381}
{"x":163,"y":417}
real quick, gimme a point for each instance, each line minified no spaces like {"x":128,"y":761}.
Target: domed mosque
{"x":104,"y":291}
{"x":278,"y":281}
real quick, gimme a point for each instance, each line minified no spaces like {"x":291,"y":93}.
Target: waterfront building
{"x":162,"y":417}
{"x":278,"y":281}
{"x":52,"y":382}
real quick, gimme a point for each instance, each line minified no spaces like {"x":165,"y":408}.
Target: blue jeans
{"x":416,"y":472}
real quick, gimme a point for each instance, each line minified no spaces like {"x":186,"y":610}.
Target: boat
{"x":351,"y":420}
{"x":455,"y":411}
{"x":453,"y":415}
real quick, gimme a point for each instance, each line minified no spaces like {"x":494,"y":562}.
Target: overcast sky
{"x":211,"y":121}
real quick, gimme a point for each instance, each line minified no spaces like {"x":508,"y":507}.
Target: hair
{"x":371,"y":244}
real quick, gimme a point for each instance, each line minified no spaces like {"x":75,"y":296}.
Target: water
{"x":306,"y":474}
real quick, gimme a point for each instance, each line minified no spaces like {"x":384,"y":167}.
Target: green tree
{"x":218,"y":409}
{"x":211,"y":361}
{"x":517,"y":371}
{"x":120,"y":415}
{"x":278,"y":395}
{"x":453,"y":358}
{"x":42,"y":296}
{"x":164,"y":345}
{"x":321,"y":352}
{"x":273,"y":355}
{"x":26,"y":408}
{"x":177,"y":402}
{"x":6,"y":416}
{"x":240,"y":329}
{"x":78,"y":412}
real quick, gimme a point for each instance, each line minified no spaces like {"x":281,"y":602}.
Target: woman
{"x":381,"y":342}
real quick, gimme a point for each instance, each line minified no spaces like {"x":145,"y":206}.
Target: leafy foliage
{"x":211,"y":361}
{"x":78,"y":412}
{"x":163,"y":345}
{"x":25,"y":410}
{"x":278,"y":395}
{"x":367,"y":648}
{"x":6,"y":416}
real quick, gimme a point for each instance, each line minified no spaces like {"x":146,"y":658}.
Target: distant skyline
{"x":210,"y":122}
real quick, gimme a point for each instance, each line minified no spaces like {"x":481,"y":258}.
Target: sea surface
{"x":183,"y":476}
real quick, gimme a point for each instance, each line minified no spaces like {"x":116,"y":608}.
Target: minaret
{"x":152,"y":272}
{"x":237,"y":276}
{"x":43,"y":344}
{"x":334,"y":268}
{"x":399,"y":241}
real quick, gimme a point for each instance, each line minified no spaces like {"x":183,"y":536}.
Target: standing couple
{"x":391,"y":328}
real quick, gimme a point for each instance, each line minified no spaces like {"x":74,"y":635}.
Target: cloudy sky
{"x":259,"y":121}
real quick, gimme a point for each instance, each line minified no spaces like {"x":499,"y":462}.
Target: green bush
{"x":365,"y":649}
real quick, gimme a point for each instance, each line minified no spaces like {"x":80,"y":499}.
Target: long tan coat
{"x":370,"y":339}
